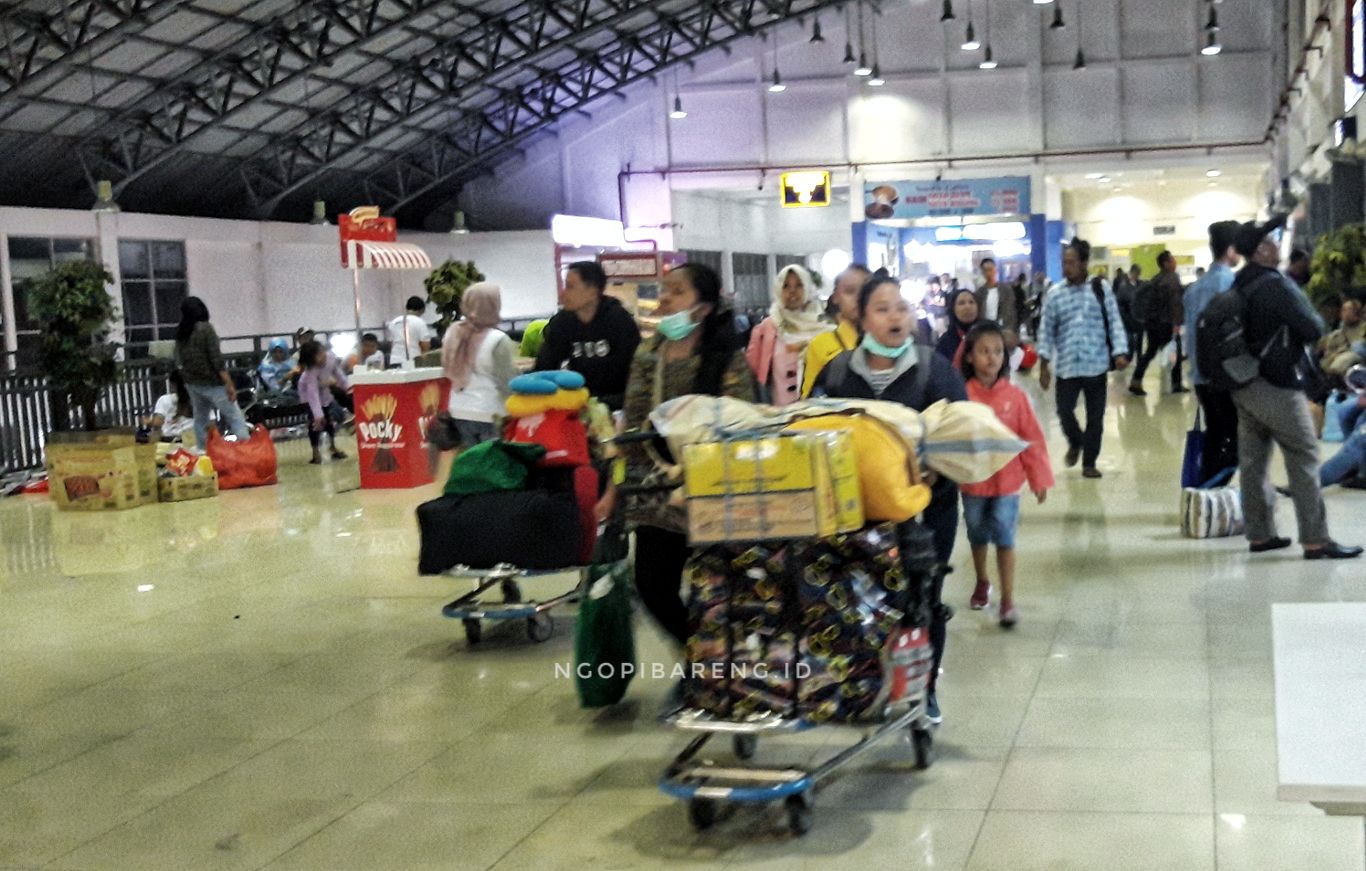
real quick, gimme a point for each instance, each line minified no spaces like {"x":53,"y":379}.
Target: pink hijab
{"x":481,"y":306}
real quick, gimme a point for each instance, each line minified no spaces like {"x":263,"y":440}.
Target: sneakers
{"x":1137,"y":389}
{"x":1073,"y":455}
{"x":981,"y":595}
{"x":1009,"y":616}
{"x":932,"y":709}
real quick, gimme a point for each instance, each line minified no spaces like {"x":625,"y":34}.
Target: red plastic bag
{"x":1031,"y":357}
{"x":586,"y":495}
{"x":243,"y":464}
{"x":561,"y":433}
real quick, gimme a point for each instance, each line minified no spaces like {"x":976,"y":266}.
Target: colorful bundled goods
{"x":804,"y":629}
{"x":545,"y":409}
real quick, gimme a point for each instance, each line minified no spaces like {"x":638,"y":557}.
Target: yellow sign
{"x":806,"y":190}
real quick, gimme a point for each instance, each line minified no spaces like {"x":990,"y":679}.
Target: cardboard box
{"x":783,"y":466}
{"x":183,"y":489}
{"x":89,"y":450}
{"x":94,"y":478}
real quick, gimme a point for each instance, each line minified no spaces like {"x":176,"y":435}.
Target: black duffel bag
{"x":530,"y":529}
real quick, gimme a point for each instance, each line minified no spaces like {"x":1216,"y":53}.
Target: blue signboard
{"x":984,"y":197}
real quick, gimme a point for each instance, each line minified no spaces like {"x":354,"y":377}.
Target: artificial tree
{"x":73,"y":304}
{"x":1339,"y":265}
{"x":446,"y":287}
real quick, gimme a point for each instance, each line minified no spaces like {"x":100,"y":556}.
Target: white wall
{"x":272,"y":278}
{"x":1123,"y":218}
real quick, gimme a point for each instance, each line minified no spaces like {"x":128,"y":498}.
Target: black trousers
{"x":1221,"y":430}
{"x":941,"y":518}
{"x":660,"y":557}
{"x":315,"y":436}
{"x":1089,"y":441}
{"x":1157,"y":339}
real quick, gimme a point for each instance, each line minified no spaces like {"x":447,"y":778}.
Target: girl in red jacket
{"x":991,"y":509}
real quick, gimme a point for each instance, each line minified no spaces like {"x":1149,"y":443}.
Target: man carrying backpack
{"x":1157,"y":307}
{"x":1266,"y":319}
{"x":1221,"y":416}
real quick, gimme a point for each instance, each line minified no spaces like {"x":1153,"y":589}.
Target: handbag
{"x":1195,"y":448}
{"x":604,"y":644}
{"x":1211,"y":513}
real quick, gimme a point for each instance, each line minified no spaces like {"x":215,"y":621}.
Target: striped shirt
{"x":881,"y":379}
{"x":1072,"y":331}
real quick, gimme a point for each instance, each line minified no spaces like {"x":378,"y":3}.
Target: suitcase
{"x":530,"y":529}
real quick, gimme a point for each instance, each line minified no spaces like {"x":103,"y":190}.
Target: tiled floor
{"x":288,"y":696}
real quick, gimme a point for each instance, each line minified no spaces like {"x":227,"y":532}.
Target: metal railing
{"x":26,"y":409}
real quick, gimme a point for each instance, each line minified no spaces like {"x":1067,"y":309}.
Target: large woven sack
{"x":1216,"y":512}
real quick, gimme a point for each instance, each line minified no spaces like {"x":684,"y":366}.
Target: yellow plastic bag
{"x":887,"y":470}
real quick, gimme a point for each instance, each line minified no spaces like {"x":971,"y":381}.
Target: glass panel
{"x":30,"y":248}
{"x":133,"y":260}
{"x":64,"y":250}
{"x":137,"y":303}
{"x":168,"y":297}
{"x":168,"y":260}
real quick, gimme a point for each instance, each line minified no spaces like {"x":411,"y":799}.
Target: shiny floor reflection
{"x":262,"y":681}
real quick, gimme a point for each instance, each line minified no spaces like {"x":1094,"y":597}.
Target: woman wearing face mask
{"x":888,"y":365}
{"x":777,"y":345}
{"x":962,"y":316}
{"x":696,"y":350}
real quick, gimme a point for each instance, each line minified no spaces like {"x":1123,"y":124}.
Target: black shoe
{"x":1073,"y":455}
{"x":1137,"y":389}
{"x":1090,"y":472}
{"x":1357,"y":483}
{"x":1181,"y":390}
{"x":1333,"y":550}
{"x":1270,"y":544}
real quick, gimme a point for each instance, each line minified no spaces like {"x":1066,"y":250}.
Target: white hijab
{"x":805,"y":323}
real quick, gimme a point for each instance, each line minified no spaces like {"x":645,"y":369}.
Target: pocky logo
{"x":382,"y":430}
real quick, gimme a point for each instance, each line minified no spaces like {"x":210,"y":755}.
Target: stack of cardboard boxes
{"x":109,"y":471}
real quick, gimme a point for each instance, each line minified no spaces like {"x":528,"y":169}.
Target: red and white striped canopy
{"x":388,"y":255}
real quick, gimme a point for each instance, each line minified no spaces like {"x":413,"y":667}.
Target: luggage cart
{"x":471,"y":611}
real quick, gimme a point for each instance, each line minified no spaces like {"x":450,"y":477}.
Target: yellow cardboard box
{"x":94,"y":478}
{"x":784,"y":463}
{"x":59,"y":446}
{"x":788,"y":485}
{"x":184,"y":489}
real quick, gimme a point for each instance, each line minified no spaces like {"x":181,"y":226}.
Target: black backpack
{"x":1148,"y":310}
{"x":1221,"y":347}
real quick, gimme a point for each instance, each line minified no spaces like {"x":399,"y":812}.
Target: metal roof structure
{"x":255,"y":108}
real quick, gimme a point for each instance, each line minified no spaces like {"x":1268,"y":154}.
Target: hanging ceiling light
{"x":1058,"y":23}
{"x":678,"y":114}
{"x":876,"y":80}
{"x":1213,"y":173}
{"x":777,"y":87}
{"x":1080,"y":63}
{"x":948,"y":12}
{"x":848,"y":37}
{"x":1213,"y":23}
{"x":988,"y":63}
{"x":863,"y":69}
{"x":970,"y":40}
{"x":1212,"y":46}
{"x":816,"y":35}
{"x":1042,"y":2}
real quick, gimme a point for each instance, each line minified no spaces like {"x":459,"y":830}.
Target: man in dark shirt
{"x":592,"y":334}
{"x":1273,"y":409}
{"x":1164,"y":317}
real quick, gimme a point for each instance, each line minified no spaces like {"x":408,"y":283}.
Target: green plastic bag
{"x":491,"y":466}
{"x":604,"y":646}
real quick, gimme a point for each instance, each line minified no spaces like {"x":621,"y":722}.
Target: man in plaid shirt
{"x":1072,"y":339}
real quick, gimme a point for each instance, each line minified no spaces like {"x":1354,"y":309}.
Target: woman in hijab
{"x":778,"y":344}
{"x":478,"y":360}
{"x":963,"y":313}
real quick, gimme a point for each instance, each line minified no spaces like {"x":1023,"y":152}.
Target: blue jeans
{"x":214,"y":397}
{"x":991,"y":520}
{"x":1348,"y":461}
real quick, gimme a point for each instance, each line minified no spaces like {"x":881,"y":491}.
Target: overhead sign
{"x":806,"y":190}
{"x":974,"y":197}
{"x":363,"y":224}
{"x":1164,"y":230}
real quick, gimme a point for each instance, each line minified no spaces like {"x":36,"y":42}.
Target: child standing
{"x":315,"y":388}
{"x":991,"y":509}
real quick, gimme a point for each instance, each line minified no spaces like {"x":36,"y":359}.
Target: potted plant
{"x":76,"y":310}
{"x":445,"y":288}
{"x":1339,"y":265}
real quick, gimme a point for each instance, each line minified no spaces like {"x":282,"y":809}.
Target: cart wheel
{"x":924,"y":744}
{"x":702,"y":813}
{"x":540,"y":627}
{"x":745,"y":746}
{"x":799,"y":813}
{"x":473,"y":631}
{"x":512,"y":592}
